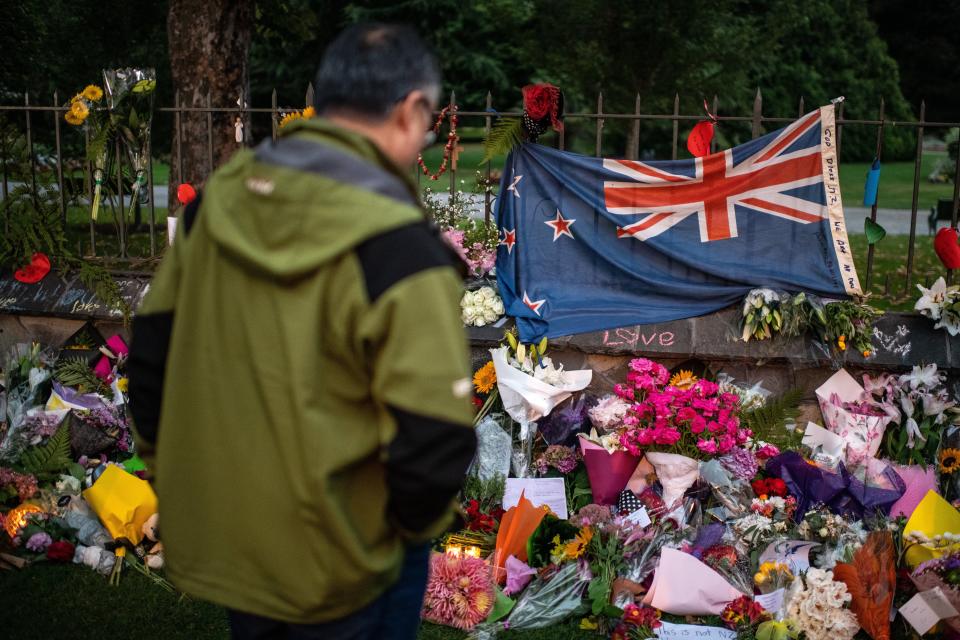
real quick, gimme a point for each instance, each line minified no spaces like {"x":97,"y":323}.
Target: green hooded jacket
{"x":299,"y":378}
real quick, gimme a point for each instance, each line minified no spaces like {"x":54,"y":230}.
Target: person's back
{"x":300,"y":365}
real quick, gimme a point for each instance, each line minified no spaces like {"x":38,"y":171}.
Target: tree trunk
{"x":208,"y":41}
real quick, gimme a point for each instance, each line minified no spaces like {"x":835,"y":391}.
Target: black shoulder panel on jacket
{"x":190,"y":213}
{"x":392,"y":256}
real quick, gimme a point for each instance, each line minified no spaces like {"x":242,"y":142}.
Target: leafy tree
{"x":922,"y":37}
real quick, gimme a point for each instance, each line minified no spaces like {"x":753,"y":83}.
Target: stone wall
{"x":54,"y":309}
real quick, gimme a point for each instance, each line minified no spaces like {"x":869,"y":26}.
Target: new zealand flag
{"x":588,"y":244}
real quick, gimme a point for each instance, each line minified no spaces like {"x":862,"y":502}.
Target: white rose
{"x":487,"y":293}
{"x":490,"y":316}
{"x":498,"y":306}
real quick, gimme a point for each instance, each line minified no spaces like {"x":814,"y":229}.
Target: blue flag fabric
{"x":588,"y":244}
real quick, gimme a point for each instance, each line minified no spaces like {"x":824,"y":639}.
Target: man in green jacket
{"x":299,"y":370}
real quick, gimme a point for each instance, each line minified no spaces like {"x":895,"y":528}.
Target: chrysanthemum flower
{"x":459,"y":591}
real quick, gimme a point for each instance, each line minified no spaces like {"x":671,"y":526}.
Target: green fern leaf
{"x":50,"y":457}
{"x":503,"y":137}
{"x":74,"y":372}
{"x":767,"y":421}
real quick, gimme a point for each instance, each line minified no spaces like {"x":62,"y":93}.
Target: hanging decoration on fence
{"x":35,"y":271}
{"x":945,"y":244}
{"x":872,"y":184}
{"x":874,"y":231}
{"x":698,"y":142}
{"x":591,"y":243}
{"x":452,"y":140}
{"x":542,"y":109}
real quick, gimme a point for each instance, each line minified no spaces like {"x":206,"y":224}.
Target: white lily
{"x":913,"y":431}
{"x":931,"y":301}
{"x":950,"y":318}
{"x":926,"y":376}
{"x":934,"y":405}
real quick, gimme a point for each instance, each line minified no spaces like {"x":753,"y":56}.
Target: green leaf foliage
{"x":767,"y":421}
{"x":51,"y":457}
{"x":504,"y":135}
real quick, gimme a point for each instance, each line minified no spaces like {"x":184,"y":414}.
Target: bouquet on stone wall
{"x":941,"y":303}
{"x":481,"y":307}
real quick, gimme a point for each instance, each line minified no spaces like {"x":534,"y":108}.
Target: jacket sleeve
{"x":152,"y":328}
{"x":420,"y":372}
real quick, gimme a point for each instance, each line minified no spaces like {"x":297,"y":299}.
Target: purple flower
{"x":741,"y":463}
{"x":39,"y":542}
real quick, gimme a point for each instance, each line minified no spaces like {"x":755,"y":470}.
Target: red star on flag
{"x":509,"y":239}
{"x":533,"y":304}
{"x":561,"y":226}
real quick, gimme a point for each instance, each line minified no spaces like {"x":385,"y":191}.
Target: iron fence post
{"x":150,"y":201}
{"x":676,"y":126}
{"x":757,"y":114}
{"x":633,"y":153}
{"x":916,"y":195}
{"x":873,"y":209}
{"x":599,"y":124}
{"x":453,"y":149}
{"x":488,"y":124}
{"x":56,"y":128}
{"x":30,"y":157}
{"x":956,"y":202}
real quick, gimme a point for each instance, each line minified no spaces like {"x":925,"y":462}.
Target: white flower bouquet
{"x":481,"y":307}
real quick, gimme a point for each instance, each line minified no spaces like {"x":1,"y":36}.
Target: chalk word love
{"x":637,"y":336}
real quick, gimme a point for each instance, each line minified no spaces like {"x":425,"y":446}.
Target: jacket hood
{"x":288,"y":207}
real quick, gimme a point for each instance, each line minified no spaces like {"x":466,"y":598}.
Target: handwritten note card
{"x":794,"y":553}
{"x":540,"y":491}
{"x":670,"y":631}
{"x":771,"y":602}
{"x":926,"y":609}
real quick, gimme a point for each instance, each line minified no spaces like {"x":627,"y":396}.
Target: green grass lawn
{"x":890,"y":259}
{"x":52,"y":601}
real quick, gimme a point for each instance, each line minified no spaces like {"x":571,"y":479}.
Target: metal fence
{"x":31,"y":116}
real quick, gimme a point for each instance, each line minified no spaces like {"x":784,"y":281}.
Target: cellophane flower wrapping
{"x":529,"y":391}
{"x":494,"y":449}
{"x":130,"y":93}
{"x":849,"y":412}
{"x":547,"y":601}
{"x":27,"y":371}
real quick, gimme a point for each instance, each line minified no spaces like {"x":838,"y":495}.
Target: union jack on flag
{"x":761,"y":183}
{"x":591,"y":243}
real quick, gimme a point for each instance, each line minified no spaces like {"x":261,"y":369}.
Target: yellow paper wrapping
{"x":123,"y":502}
{"x":933,"y":516}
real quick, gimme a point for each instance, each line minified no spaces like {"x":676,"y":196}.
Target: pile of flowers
{"x":673,"y":488}
{"x":58,"y":440}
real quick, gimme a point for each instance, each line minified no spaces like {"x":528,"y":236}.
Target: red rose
{"x":60,"y":551}
{"x":760,"y":487}
{"x":477,"y":402}
{"x":777,"y":487}
{"x":539,"y":100}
